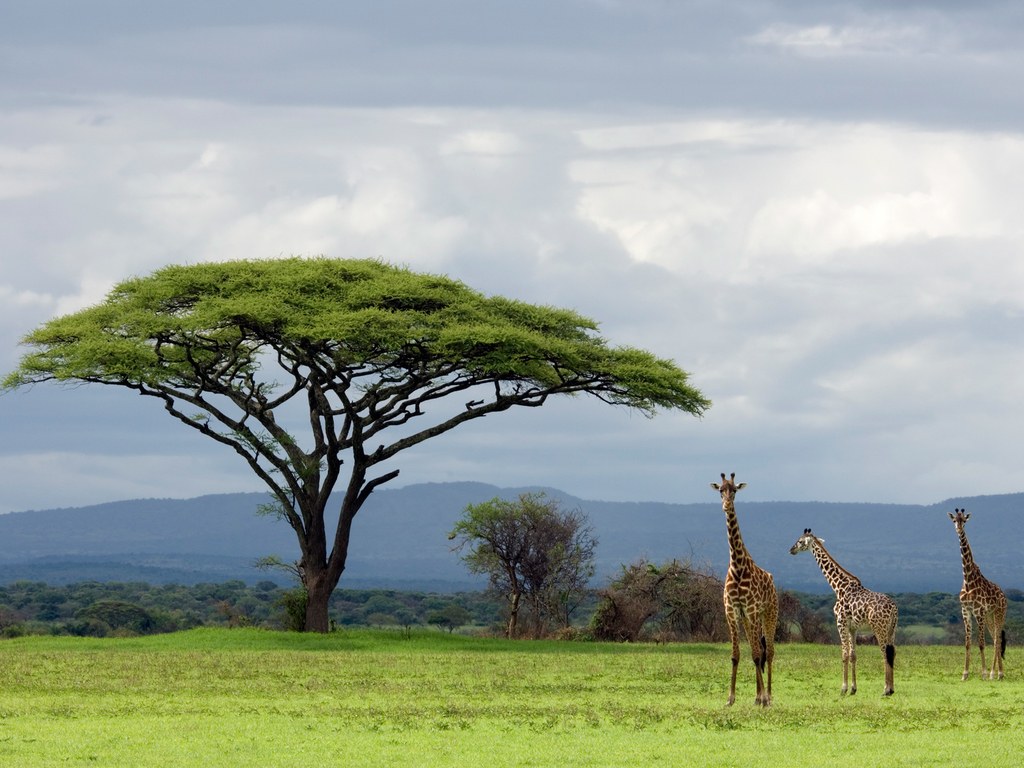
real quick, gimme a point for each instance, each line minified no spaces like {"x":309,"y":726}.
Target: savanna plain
{"x":234,"y":697}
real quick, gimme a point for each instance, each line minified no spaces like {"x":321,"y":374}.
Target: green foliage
{"x":450,"y":617}
{"x":116,"y":615}
{"x":175,"y":325}
{"x":294,"y":602}
{"x":97,"y":609}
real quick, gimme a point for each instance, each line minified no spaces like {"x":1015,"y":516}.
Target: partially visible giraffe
{"x":982,"y":599}
{"x":750,"y":599}
{"x":856,"y":606}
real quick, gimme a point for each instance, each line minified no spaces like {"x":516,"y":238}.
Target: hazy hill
{"x":400,"y":539}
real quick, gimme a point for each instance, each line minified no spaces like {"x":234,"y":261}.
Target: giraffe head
{"x":728,"y":489}
{"x":961,"y":517}
{"x":804,"y":543}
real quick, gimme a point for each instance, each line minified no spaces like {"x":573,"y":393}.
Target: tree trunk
{"x":318,"y":595}
{"x":513,"y":615}
{"x":322,"y":570}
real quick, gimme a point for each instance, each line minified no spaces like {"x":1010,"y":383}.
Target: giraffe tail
{"x":1002,"y":644}
{"x":764,"y":652}
{"x":890,"y":654}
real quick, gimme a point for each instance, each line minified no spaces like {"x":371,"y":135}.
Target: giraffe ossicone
{"x":983,"y":600}
{"x":855,"y":607}
{"x":750,"y":600}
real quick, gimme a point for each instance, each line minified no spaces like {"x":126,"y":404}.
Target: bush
{"x":674,"y":601}
{"x":293,"y":602}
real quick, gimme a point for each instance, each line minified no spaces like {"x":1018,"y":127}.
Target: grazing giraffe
{"x":984,"y":600}
{"x":750,"y":599}
{"x":856,"y":606}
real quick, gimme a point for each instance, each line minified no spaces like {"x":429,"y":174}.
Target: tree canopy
{"x":301,"y":365}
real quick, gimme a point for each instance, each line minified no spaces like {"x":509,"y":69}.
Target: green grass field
{"x":365,"y":698}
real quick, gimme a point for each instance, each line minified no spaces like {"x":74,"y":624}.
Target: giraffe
{"x":982,"y":599}
{"x":856,"y":606}
{"x":750,"y":599}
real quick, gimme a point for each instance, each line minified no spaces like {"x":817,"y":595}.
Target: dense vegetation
{"x":96,"y":609}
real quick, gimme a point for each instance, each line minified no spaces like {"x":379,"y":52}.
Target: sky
{"x":814,"y":208}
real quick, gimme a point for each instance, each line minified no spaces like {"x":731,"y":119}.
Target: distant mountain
{"x":399,"y":539}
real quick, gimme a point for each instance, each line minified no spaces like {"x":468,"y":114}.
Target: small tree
{"x":451,"y":616}
{"x":317,"y":371}
{"x":531,"y":550}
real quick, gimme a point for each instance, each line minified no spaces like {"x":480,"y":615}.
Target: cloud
{"x":823,"y":40}
{"x":772,"y":199}
{"x":28,"y":171}
{"x":483,"y":143}
{"x":829,"y":239}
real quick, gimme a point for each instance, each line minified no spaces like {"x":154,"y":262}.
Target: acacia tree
{"x":529,"y":549}
{"x":316,"y":371}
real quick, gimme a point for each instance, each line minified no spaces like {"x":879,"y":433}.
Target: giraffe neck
{"x":970,"y":569}
{"x":738,"y":556}
{"x":837,"y":577}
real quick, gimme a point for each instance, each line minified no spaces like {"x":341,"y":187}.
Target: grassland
{"x":365,"y":698}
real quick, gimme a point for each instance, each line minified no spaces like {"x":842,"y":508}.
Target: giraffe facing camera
{"x":750,"y":600}
{"x":983,"y":600}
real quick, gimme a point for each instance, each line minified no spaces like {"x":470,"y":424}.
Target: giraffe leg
{"x":999,"y":640}
{"x":994,"y":633}
{"x":884,"y":629}
{"x":981,"y":646}
{"x":853,"y":665}
{"x":752,"y":626}
{"x":771,"y":620}
{"x":967,"y":644}
{"x":846,"y":671}
{"x":996,"y":625}
{"x":734,"y":637}
{"x":845,"y":641}
{"x":888,"y":646}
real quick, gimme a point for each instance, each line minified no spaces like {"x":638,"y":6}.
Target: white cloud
{"x":494,"y":143}
{"x":659,"y":215}
{"x":28,"y":171}
{"x":880,"y":37}
{"x":789,"y":199}
{"x":23,"y":299}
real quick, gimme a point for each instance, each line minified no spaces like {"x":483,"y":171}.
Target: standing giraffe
{"x":984,"y":600}
{"x":856,"y":606}
{"x":750,"y":598}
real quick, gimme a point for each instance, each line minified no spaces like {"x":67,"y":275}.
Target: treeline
{"x":101,"y":609}
{"x":667,"y":602}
